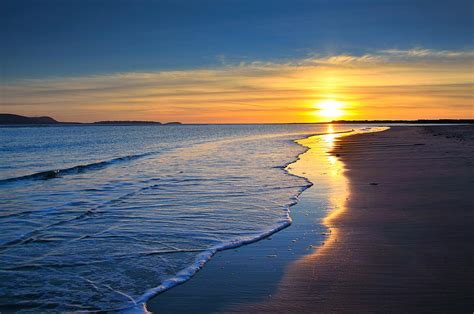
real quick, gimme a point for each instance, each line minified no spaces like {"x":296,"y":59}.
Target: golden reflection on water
{"x":329,"y":138}
{"x":326,"y":171}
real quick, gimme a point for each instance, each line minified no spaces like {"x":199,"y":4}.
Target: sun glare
{"x":330,"y":108}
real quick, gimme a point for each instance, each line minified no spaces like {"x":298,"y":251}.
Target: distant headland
{"x":14,"y":119}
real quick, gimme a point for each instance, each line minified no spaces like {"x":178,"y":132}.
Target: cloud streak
{"x":417,"y":83}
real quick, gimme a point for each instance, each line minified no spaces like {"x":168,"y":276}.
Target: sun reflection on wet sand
{"x":325,"y":169}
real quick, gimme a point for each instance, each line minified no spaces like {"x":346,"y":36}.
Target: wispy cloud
{"x":411,"y":83}
{"x":428,"y":53}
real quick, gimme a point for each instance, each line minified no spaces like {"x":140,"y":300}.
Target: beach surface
{"x":391,"y":231}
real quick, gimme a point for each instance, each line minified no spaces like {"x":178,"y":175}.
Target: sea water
{"x":104,"y":217}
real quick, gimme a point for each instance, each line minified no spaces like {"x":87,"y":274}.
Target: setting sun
{"x":330,"y":109}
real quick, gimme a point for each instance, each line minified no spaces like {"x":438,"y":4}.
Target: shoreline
{"x":269,"y":259}
{"x":309,"y":269}
{"x":403,"y":241}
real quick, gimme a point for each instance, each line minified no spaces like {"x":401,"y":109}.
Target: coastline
{"x":251,"y":273}
{"x":403,"y":242}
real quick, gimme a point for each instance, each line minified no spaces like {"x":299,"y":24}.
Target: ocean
{"x":104,"y":217}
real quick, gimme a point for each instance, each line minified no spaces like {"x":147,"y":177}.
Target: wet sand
{"x":404,"y":241}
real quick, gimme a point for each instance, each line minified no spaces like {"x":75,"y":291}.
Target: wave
{"x":79,"y":169}
{"x":57,"y":173}
{"x":90,"y":212}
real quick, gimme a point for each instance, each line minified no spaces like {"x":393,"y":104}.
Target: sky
{"x":237,"y":61}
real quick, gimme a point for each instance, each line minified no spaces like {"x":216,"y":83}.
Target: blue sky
{"x":46,"y":38}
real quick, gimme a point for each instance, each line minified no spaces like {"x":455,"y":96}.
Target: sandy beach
{"x":396,"y":237}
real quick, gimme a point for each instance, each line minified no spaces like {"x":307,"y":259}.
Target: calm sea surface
{"x":102,"y":217}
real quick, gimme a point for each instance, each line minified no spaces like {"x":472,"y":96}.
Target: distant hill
{"x":14,"y":119}
{"x":6,"y":118}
